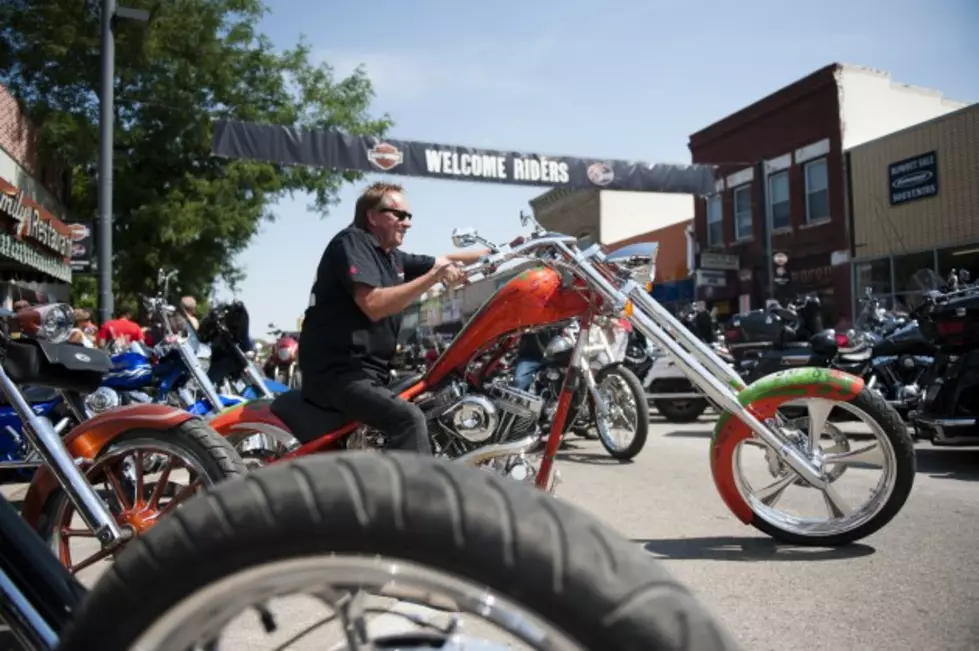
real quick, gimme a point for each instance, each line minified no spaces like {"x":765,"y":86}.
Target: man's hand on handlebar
{"x":449,"y":273}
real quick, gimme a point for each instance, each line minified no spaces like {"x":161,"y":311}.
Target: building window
{"x":959,"y":258}
{"x":914,"y":274}
{"x":715,"y":221}
{"x":817,"y":191}
{"x":778,"y":200}
{"x":742,"y":212}
{"x":875,"y":276}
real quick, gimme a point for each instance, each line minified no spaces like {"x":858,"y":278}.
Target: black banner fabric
{"x":337,"y":150}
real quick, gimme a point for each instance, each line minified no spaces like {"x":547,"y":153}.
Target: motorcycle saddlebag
{"x":757,"y":326}
{"x":68,"y":367}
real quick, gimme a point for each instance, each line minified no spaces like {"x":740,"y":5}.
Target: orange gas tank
{"x":535,"y":297}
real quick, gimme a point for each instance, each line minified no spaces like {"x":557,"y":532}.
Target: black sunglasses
{"x":400,"y":214}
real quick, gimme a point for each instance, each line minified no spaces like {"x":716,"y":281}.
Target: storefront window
{"x":907,"y":268}
{"x":958,"y":258}
{"x":876,"y":275}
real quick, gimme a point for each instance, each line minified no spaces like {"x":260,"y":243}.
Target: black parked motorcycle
{"x":232,"y":368}
{"x":948,"y":413}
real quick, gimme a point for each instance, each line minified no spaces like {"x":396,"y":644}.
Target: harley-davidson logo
{"x":385,"y":156}
{"x":601,"y":174}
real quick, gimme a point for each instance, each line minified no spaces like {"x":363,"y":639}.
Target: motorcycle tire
{"x":642,"y":413}
{"x":192,"y":438}
{"x":547,"y":556}
{"x":680,"y":411}
{"x":902,"y":443}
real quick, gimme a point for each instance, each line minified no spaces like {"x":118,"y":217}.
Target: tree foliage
{"x":176,"y":205}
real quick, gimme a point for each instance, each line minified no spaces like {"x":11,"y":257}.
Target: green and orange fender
{"x":763,"y":398}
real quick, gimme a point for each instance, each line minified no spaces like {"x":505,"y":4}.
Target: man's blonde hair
{"x":370,"y":199}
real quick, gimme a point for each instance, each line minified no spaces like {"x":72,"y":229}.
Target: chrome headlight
{"x":52,"y":322}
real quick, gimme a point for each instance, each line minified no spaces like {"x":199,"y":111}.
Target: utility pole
{"x":107,"y":110}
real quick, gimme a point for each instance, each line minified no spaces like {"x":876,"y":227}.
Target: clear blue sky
{"x":631,"y":80}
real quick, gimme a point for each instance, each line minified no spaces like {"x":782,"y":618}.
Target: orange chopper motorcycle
{"x":477,"y":419}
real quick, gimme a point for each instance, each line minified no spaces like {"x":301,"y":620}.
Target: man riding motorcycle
{"x":350,"y":329}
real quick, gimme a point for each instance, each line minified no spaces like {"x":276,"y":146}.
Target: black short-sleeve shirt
{"x":337,"y":337}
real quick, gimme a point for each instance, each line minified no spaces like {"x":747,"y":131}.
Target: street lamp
{"x":110,"y":14}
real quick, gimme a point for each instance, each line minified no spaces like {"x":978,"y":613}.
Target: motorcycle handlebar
{"x":489,"y":263}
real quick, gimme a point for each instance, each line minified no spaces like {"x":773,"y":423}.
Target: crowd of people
{"x":128,"y":324}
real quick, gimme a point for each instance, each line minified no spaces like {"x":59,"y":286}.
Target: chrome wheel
{"x":140,"y":483}
{"x":868,"y":463}
{"x":620,"y":425}
{"x":364,"y":602}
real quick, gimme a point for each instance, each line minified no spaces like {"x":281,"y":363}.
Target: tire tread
{"x":574,"y":571}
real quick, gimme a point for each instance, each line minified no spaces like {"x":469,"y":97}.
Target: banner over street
{"x":334,"y":149}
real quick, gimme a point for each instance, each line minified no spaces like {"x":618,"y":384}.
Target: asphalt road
{"x":913,"y":585}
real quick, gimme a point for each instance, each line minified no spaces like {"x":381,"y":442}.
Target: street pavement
{"x":913,"y":585}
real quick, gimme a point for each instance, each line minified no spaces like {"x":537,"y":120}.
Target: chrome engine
{"x":459,"y":421}
{"x":495,"y":429}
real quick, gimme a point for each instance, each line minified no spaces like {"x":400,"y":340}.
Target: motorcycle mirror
{"x":463,"y":237}
{"x":964,"y":276}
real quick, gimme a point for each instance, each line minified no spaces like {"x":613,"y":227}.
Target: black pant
{"x":366,"y":399}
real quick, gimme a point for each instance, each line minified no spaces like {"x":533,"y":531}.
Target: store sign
{"x":813,"y":276}
{"x":719,"y":261}
{"x":913,"y":178}
{"x":25,"y":254}
{"x":82,"y":246}
{"x":30,"y":225}
{"x":709,"y":278}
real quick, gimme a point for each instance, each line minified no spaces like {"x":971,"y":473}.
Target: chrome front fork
{"x":45,"y":440}
{"x":203,"y":381}
{"x":697,"y":361}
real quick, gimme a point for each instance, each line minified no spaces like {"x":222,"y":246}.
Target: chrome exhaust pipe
{"x":488,"y":452}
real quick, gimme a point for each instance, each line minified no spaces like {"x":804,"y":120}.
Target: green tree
{"x":197,"y":61}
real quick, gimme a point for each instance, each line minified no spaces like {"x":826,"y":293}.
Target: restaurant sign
{"x":37,"y":239}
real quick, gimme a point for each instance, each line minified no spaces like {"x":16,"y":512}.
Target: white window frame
{"x":720,"y":218}
{"x":771,"y":203}
{"x":738,"y":235}
{"x":805,"y":173}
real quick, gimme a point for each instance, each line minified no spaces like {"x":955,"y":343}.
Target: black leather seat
{"x":308,"y":421}
{"x":33,"y":395}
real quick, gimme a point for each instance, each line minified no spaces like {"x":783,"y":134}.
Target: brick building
{"x":35,"y":243}
{"x":783,"y":187}
{"x":915,"y":205}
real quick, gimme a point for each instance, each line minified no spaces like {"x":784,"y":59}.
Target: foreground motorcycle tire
{"x":642,"y":413}
{"x":193,"y":439}
{"x":549,"y":557}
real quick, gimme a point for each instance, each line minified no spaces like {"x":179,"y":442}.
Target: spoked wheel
{"x":868,"y":459}
{"x":143,"y":476}
{"x":367,"y":550}
{"x":625,"y":430}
